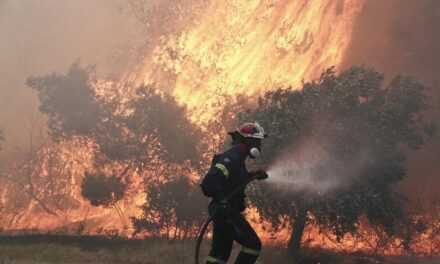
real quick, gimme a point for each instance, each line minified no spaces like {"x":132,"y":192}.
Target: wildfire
{"x":247,"y":47}
{"x":231,"y":47}
{"x":49,"y":198}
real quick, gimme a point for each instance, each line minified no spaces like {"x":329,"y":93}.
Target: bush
{"x":102,"y":190}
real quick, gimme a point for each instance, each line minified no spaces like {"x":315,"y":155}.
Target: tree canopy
{"x":150,"y":130}
{"x":101,"y":190}
{"x":173,"y":209}
{"x":341,"y":138}
{"x":346,"y":128}
{"x":156,"y":126}
{"x":68,"y":101}
{"x":73,"y":109}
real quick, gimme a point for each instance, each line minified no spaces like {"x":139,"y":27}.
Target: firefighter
{"x":228,"y":170}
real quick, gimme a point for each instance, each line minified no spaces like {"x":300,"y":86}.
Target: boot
{"x":245,"y":258}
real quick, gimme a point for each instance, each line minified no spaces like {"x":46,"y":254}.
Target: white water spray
{"x":309,"y":168}
{"x":289,"y":175}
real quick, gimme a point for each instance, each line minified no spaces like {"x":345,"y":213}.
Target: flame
{"x":229,"y":48}
{"x":50,"y":198}
{"x":248,"y":47}
{"x":367,"y":239}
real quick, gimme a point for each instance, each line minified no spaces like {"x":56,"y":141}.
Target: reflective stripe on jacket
{"x":227,"y":171}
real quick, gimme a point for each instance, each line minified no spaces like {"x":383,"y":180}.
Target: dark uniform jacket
{"x":227,"y":172}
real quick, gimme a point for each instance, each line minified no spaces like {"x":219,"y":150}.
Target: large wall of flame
{"x":248,"y":47}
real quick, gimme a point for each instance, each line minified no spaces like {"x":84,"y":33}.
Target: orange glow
{"x":231,"y":48}
{"x":248,"y":47}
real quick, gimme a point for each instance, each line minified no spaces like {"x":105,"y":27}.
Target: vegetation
{"x":101,"y":190}
{"x":173,"y":210}
{"x":354,"y":127}
{"x":68,"y":101}
{"x":355,"y":131}
{"x":73,"y":109}
{"x":97,"y":250}
{"x":142,"y":134}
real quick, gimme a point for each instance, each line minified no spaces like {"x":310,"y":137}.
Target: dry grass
{"x":73,"y":250}
{"x":99,"y":251}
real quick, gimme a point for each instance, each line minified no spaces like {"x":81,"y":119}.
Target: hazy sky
{"x":402,"y":37}
{"x":44,"y":36}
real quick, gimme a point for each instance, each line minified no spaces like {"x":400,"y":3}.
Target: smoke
{"x":39,"y":37}
{"x":398,"y":36}
{"x":401,"y":37}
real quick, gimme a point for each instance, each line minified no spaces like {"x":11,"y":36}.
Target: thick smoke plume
{"x":39,"y":37}
{"x":401,"y":37}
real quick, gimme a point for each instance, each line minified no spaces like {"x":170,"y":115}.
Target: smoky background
{"x":39,"y":37}
{"x":402,"y":37}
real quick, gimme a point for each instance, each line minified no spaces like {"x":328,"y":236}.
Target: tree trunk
{"x":298,"y":230}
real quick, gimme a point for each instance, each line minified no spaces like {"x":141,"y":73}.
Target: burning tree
{"x":153,"y":127}
{"x":69,"y":102}
{"x":150,"y":126}
{"x":343,"y":139}
{"x":101,"y":190}
{"x":130,"y":138}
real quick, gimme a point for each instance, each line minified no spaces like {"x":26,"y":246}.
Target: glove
{"x":260,"y":175}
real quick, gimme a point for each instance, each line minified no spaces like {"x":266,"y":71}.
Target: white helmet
{"x":252,"y":130}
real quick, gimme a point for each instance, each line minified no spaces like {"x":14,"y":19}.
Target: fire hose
{"x":210,"y":218}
